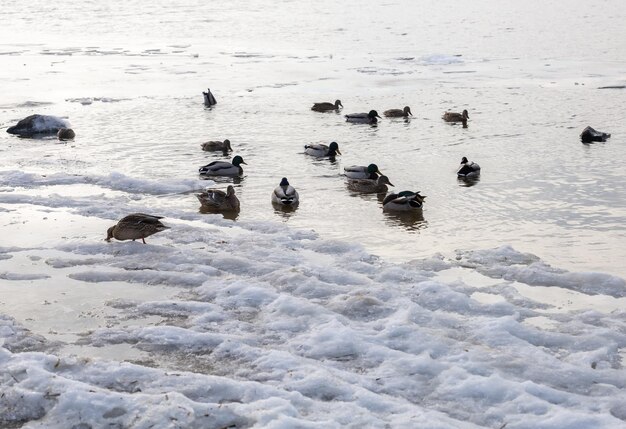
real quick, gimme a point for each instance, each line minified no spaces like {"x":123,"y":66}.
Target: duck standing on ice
{"x":136,"y":226}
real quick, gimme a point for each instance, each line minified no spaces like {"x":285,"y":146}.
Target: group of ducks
{"x":363,"y":179}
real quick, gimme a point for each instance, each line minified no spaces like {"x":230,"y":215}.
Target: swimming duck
{"x":326,"y":107}
{"x":66,"y":134}
{"x":223,"y":168}
{"x":363,"y":118}
{"x":136,"y":226}
{"x":468,"y":169}
{"x":285,"y":194}
{"x":218,"y":200}
{"x":456,"y":117}
{"x":362,"y":172}
{"x":590,"y":135}
{"x":209,"y":100}
{"x":38,"y":125}
{"x":398,"y":113}
{"x":217,"y":146}
{"x":321,"y":150}
{"x":369,"y":186}
{"x":404,"y":201}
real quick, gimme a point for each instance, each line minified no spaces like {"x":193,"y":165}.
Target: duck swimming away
{"x":136,"y":226}
{"x":285,"y":194}
{"x":468,"y":169}
{"x":223,"y":168}
{"x":209,"y":100}
{"x":217,"y":200}
{"x":326,"y":107}
{"x":363,"y":118}
{"x":320,"y":150}
{"x":38,"y":125}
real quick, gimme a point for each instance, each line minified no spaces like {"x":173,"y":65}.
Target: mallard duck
{"x":35,"y":125}
{"x":223,"y":168}
{"x":363,"y":118}
{"x":321,"y":150}
{"x":209,"y":100}
{"x":217,"y":146}
{"x":456,"y":117}
{"x":215,"y":199}
{"x":398,"y":113}
{"x":362,"y":172}
{"x":369,"y":186}
{"x":136,"y":226}
{"x":285,"y":194}
{"x":404,"y":201}
{"x":326,"y":107}
{"x":66,"y":134}
{"x":590,"y":135}
{"x":468,"y":169}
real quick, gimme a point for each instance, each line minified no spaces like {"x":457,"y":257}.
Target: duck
{"x":223,"y":168}
{"x":136,"y":226}
{"x":404,"y":201}
{"x":468,"y":169}
{"x":66,"y":134}
{"x":369,"y":186}
{"x":362,"y":172}
{"x":363,"y":118}
{"x":216,"y":145}
{"x":215,"y":199}
{"x":326,"y":106}
{"x":320,"y":150}
{"x":590,"y":135}
{"x":456,"y":117}
{"x":285,"y":194}
{"x":209,"y":99}
{"x":38,"y":125}
{"x":398,"y":113}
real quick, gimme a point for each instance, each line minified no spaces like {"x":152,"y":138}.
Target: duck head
{"x":284,"y":182}
{"x":337,"y":104}
{"x":230,"y":191}
{"x":110,"y":233}
{"x":465,"y":114}
{"x":464,"y":160}
{"x":373,"y":168}
{"x":373,"y":114}
{"x":227,"y":145}
{"x":384,"y":180}
{"x":237,"y":161}
{"x":333,"y":149}
{"x":407,"y":111}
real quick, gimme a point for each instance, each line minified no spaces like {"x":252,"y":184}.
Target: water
{"x":284,"y":323}
{"x":529,"y":92}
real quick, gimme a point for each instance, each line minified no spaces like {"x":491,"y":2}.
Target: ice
{"x":269,"y":326}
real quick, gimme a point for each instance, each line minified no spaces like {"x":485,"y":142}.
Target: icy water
{"x":335,"y":313}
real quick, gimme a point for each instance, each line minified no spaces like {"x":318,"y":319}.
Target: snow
{"x":268,"y":326}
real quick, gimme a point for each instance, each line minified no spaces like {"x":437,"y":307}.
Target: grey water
{"x":130,"y":77}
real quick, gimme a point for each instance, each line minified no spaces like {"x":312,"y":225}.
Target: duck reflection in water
{"x":229,"y":215}
{"x":468,"y":182}
{"x":412,"y":221}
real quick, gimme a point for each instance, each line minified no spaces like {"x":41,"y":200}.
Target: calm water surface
{"x":527,"y":72}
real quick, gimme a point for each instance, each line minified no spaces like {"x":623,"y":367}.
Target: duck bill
{"x":338,"y":152}
{"x":391,"y":184}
